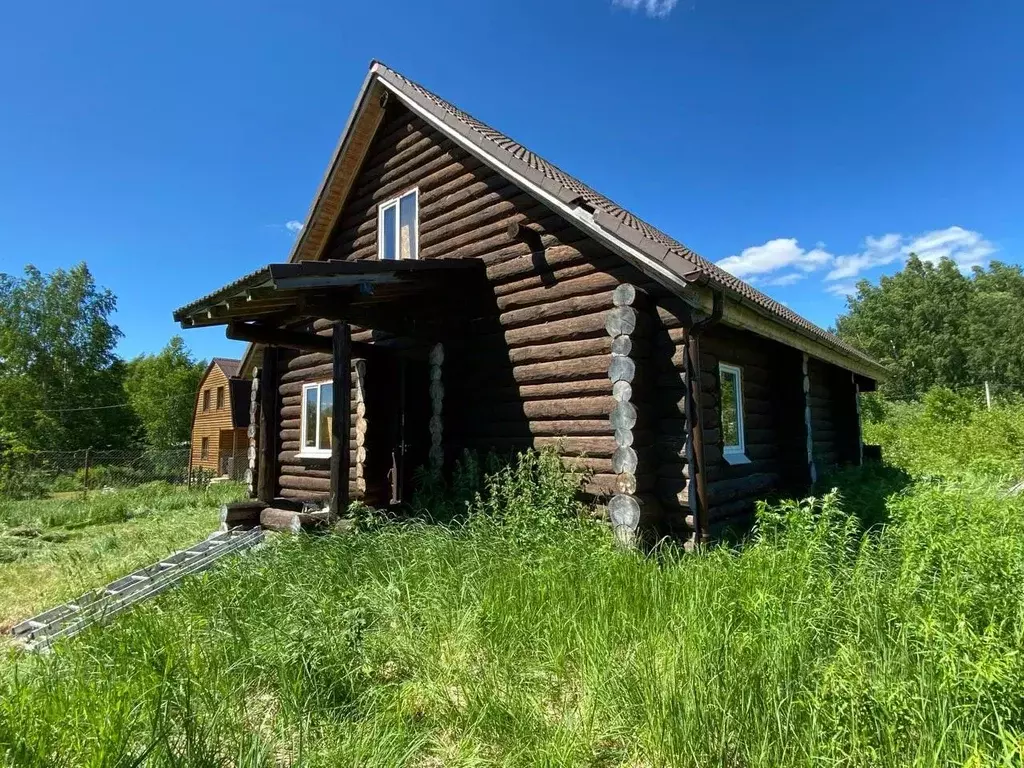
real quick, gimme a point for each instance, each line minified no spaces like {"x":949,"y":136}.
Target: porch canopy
{"x":407,"y":297}
{"x":426,"y":300}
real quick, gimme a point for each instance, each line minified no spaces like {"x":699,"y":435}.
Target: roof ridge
{"x":595,"y":199}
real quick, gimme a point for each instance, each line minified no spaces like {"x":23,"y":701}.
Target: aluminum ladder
{"x":98,"y":605}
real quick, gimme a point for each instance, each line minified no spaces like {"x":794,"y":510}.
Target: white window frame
{"x":734,"y":454}
{"x":306,"y":451}
{"x":396,"y":203}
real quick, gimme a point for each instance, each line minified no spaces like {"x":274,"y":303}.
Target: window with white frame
{"x":733,"y":442}
{"x":317,"y":418}
{"x":398,"y":227}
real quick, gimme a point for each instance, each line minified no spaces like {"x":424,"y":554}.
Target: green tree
{"x":933,"y":326}
{"x":60,"y":381}
{"x":162,"y":390}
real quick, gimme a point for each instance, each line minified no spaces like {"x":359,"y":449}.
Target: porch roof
{"x":355,"y":291}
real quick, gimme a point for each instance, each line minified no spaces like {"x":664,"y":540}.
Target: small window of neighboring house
{"x":398,"y":227}
{"x":733,"y":439}
{"x":204,"y":448}
{"x":220,"y":398}
{"x":317,"y":418}
{"x":206,"y":399}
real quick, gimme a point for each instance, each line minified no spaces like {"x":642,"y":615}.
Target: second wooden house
{"x":220,"y":422}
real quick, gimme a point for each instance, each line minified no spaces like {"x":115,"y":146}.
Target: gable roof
{"x":229,"y":365}
{"x":664,"y":258}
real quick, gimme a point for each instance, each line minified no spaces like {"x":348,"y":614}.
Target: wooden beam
{"x":340,"y":454}
{"x":267,"y":468}
{"x":260,"y":334}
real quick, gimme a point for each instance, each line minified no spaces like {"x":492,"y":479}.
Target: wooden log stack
{"x":254,"y":412}
{"x":624,"y":506}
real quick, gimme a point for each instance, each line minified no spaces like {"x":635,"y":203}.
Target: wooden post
{"x":698,"y":489}
{"x":85,"y":482}
{"x":860,"y":429}
{"x":340,"y":456}
{"x":436,"y":404}
{"x":266,"y":485}
{"x":812,"y":470}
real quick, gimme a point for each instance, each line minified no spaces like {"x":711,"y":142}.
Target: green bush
{"x":948,"y":435}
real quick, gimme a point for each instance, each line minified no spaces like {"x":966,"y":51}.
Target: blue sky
{"x":803,"y":144}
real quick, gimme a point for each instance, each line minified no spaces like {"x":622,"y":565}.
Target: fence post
{"x":85,"y":482}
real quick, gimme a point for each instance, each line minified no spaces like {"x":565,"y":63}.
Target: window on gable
{"x":398,"y":227}
{"x":733,"y":440}
{"x":317,"y":418}
{"x":206,"y":399}
{"x":220,"y":398}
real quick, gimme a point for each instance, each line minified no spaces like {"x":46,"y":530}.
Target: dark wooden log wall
{"x":833,"y":416}
{"x":302,"y":478}
{"x":773,"y":424}
{"x":532,"y":368}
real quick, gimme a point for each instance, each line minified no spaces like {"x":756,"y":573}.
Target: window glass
{"x":388,"y":232}
{"x":732,"y":405}
{"x":220,"y":397}
{"x":204,"y":448}
{"x":206,"y":399}
{"x":309,"y":415}
{"x":407,"y":227}
{"x":326,"y":415}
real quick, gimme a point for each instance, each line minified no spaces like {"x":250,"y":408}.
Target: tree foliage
{"x":161,"y":389}
{"x":931,"y":326}
{"x":56,"y":354}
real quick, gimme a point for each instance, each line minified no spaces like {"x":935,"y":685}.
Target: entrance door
{"x":398,"y":434}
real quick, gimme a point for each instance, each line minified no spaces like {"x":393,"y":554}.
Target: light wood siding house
{"x":452,"y":290}
{"x":220,"y":422}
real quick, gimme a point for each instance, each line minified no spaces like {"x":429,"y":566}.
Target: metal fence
{"x":50,"y":473}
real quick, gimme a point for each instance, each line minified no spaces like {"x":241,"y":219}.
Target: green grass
{"x":52,"y":550}
{"x":504,"y":642}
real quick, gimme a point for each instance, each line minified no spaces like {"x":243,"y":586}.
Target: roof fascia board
{"x":552,"y":194}
{"x":358,"y":108}
{"x":626,"y":241}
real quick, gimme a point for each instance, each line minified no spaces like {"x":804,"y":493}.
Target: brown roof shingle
{"x":612,"y":217}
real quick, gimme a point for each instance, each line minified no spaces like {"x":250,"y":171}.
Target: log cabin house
{"x":453,"y":290}
{"x":220,"y":422}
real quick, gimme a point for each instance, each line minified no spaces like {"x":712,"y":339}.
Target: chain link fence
{"x":53,"y":473}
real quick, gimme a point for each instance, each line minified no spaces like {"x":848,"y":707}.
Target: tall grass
{"x":950,"y":435}
{"x":55,"y":549}
{"x":484,"y":643}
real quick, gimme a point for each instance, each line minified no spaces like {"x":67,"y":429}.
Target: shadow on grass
{"x":865,"y":490}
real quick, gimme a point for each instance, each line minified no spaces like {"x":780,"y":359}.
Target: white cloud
{"x":968,"y":249}
{"x":783,"y":252}
{"x":841,"y":289}
{"x":877,"y":252}
{"x":293,"y":225}
{"x":787,"y":279}
{"x":657,"y":9}
{"x":784,"y":261}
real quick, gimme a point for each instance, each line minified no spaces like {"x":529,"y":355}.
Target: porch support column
{"x":860,"y":429}
{"x":436,"y":405}
{"x":812,"y":470}
{"x":254,"y":415}
{"x":269,"y":418}
{"x":341,"y":456}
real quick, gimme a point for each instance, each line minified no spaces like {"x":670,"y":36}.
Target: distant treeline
{"x":63,"y":387}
